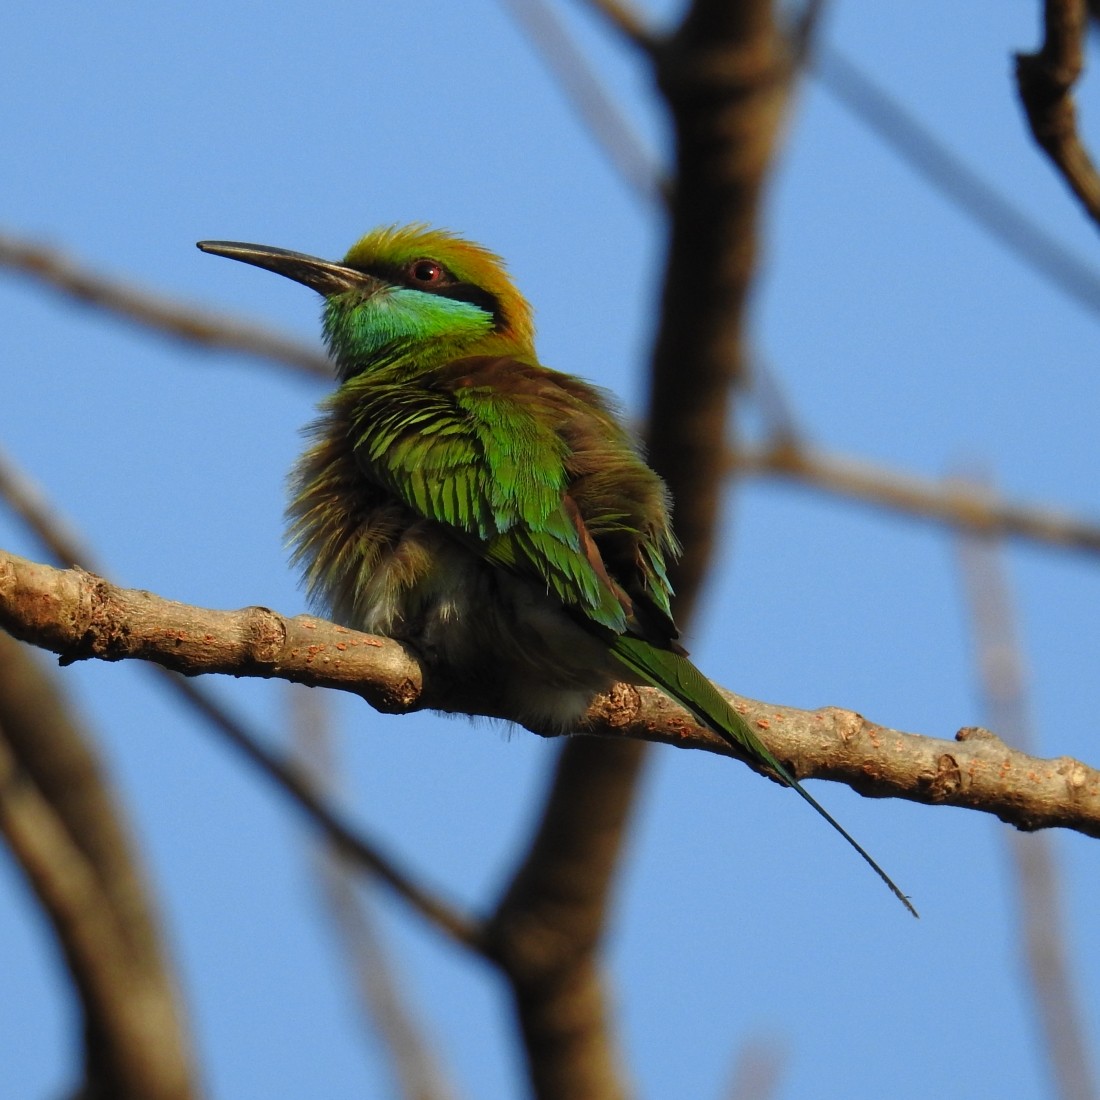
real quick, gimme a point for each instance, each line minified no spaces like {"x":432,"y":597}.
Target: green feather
{"x":480,"y":461}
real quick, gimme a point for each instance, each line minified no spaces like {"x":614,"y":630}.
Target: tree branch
{"x":55,"y":534}
{"x":61,"y":822}
{"x":78,"y":616}
{"x":1045,"y":81}
{"x":961,"y":506}
{"x":382,"y":994}
{"x":627,"y":21}
{"x":724,"y":74}
{"x":548,"y":925}
{"x":1044,"y":935}
{"x":344,"y":838}
{"x":56,"y":271}
{"x":976,"y":197}
{"x":608,"y":125}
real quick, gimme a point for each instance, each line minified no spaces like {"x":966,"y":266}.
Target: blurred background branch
{"x":971,"y":191}
{"x":1047,"y":958}
{"x":51,"y":269}
{"x":60,"y":820}
{"x":379,"y":988}
{"x":59,"y":538}
{"x":961,"y":506}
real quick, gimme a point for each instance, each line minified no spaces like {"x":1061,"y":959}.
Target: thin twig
{"x":608,"y":125}
{"x":1045,"y":80}
{"x":344,"y":837}
{"x":803,"y":34}
{"x":758,"y":1071}
{"x":900,"y":130}
{"x":961,"y":507}
{"x":627,"y":21}
{"x":24,"y":496}
{"x":53,"y":269}
{"x":1039,"y":892}
{"x":416,"y":1067}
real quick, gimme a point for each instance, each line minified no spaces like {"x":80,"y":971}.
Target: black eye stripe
{"x":462,"y":292}
{"x":387,"y":273}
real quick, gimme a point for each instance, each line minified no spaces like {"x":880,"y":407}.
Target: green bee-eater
{"x":490,"y":512}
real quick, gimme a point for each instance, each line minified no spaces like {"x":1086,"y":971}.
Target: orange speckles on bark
{"x":681,"y":730}
{"x":762,"y":724}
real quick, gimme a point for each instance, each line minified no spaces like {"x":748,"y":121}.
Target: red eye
{"x":427,"y":273}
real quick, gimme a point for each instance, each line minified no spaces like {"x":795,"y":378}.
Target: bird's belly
{"x":383,"y":569}
{"x":473,"y":621}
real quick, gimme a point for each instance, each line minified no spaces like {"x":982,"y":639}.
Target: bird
{"x":492,"y":513}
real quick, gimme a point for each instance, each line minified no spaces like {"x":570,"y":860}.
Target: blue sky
{"x":897,"y":330}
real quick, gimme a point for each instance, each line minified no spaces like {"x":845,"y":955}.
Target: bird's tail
{"x":678,"y":677}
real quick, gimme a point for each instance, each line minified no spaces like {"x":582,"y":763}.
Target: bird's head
{"x":405,"y":294}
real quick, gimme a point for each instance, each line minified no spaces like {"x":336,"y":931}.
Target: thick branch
{"x":61,"y":823}
{"x":723,"y":77}
{"x":1045,"y":80}
{"x":724,"y":74}
{"x":80,"y":616}
{"x":976,"y":771}
{"x":546,"y":931}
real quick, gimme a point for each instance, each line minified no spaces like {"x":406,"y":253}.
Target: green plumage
{"x":491,"y":512}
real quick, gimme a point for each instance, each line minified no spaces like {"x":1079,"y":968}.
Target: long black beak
{"x":323,"y":276}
